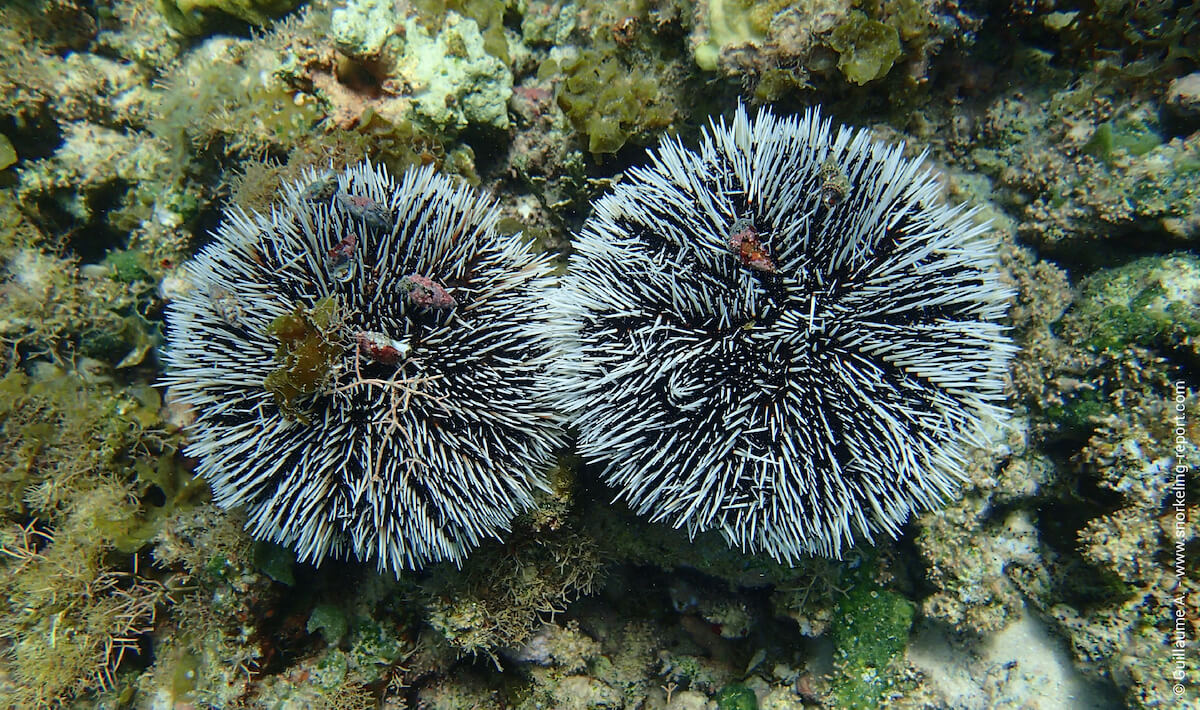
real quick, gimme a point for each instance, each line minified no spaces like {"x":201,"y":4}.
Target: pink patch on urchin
{"x":343,"y":251}
{"x":427,"y":293}
{"x":379,"y":347}
{"x":744,"y":241}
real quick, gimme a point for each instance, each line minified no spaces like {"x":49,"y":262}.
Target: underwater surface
{"x":543,"y":354}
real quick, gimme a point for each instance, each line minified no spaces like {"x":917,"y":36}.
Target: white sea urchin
{"x":366,"y":368}
{"x":786,"y":336}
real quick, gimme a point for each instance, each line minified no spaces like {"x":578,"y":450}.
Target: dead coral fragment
{"x":364,"y":209}
{"x":380,"y":348}
{"x":322,"y":189}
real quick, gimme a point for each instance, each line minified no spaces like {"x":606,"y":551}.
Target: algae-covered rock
{"x":866,"y":48}
{"x":454,"y":80}
{"x":736,"y":696}
{"x":8,"y":154}
{"x":487,"y":14}
{"x":372,"y":647}
{"x":91,"y":162}
{"x":1182,"y":97}
{"x":330,"y":620}
{"x":195,"y":17}
{"x":229,"y":90}
{"x":70,"y":519}
{"x":870,"y":631}
{"x":730,"y":23}
{"x":545,"y":27}
{"x":1076,"y":183}
{"x":1152,"y":302}
{"x":777,"y":47}
{"x":611,"y":102}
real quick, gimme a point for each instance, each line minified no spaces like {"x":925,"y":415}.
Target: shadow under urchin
{"x":785,"y":335}
{"x":365,"y":366}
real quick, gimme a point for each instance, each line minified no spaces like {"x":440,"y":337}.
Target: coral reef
{"x":1058,"y":577}
{"x":778,"y":47}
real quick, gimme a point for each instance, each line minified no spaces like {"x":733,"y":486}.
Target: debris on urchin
{"x":785,"y":335}
{"x":366,"y":365}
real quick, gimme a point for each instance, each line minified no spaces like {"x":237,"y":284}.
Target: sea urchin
{"x":785,"y":335}
{"x":365,"y":366}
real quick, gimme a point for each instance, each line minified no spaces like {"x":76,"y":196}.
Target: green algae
{"x":183,"y":677}
{"x":275,"y":561}
{"x":127,"y":265}
{"x":1153,"y":302}
{"x":1079,"y":411}
{"x":8,"y":154}
{"x":331,"y":671}
{"x":610,"y":102}
{"x":308,"y":349}
{"x":870,"y":632}
{"x":330,"y":620}
{"x":372,"y":647}
{"x":866,"y":48}
{"x":1111,"y":137}
{"x":736,"y":696}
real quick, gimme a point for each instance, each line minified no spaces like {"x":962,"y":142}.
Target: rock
{"x":454,"y":80}
{"x":1183,"y":97}
{"x":360,"y":28}
{"x":688,"y":700}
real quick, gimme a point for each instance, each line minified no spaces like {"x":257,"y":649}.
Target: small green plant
{"x":867,"y":48}
{"x":612,"y":102}
{"x":309,"y":346}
